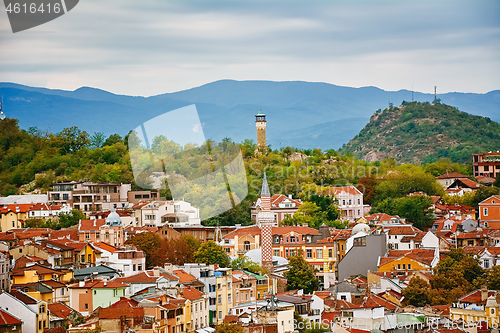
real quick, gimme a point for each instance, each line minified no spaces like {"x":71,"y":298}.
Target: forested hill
{"x":422,"y":132}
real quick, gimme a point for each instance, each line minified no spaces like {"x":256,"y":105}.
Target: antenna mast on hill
{"x":412,"y":92}
{"x":2,"y":116}
{"x":435,"y":94}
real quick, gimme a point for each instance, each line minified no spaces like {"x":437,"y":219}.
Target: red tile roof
{"x":191,"y":293}
{"x":7,"y":318}
{"x":26,"y":299}
{"x":91,"y":225}
{"x":124,"y":302}
{"x":40,"y":270}
{"x":16,"y":208}
{"x":144,"y":277}
{"x":183,"y":276}
{"x":61,"y":310}
{"x":279,"y":198}
{"x":347,"y":189}
{"x":402,"y":230}
{"x":300,"y":230}
{"x":116,"y":313}
{"x":451,"y":175}
{"x":424,"y":256}
{"x":340,"y":234}
{"x":253,"y":231}
{"x":374,"y":301}
{"x":99,"y":284}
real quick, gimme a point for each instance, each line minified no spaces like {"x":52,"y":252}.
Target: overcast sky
{"x":150,"y":47}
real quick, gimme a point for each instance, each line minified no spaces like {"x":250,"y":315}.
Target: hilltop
{"x":299,"y":114}
{"x":422,"y":132}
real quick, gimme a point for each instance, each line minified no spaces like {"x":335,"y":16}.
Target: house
{"x":44,"y":210}
{"x":13,"y":216}
{"x":36,"y":272}
{"x":281,"y":207}
{"x":33,"y":313}
{"x":9,"y":322}
{"x":466,"y":185}
{"x":445,"y":180}
{"x":454,"y":210}
{"x":304,"y":304}
{"x":188,"y":280}
{"x":244,"y":288}
{"x":85,"y":254}
{"x":157,"y":278}
{"x":416,"y":259}
{"x":108,"y":231}
{"x":488,"y":256}
{"x":60,"y":313}
{"x":317,"y":247}
{"x":486,"y":164}
{"x":479,"y":305}
{"x":4,"y":270}
{"x":382,"y":219}
{"x":90,"y":197}
{"x":156,"y":213}
{"x":127,"y":260}
{"x":489,"y":212}
{"x":350,"y":201}
{"x":241,"y":240}
{"x":402,"y":237}
{"x":199,"y":307}
{"x":224,"y":293}
{"x":48,"y":290}
{"x":99,"y":271}
{"x":478,"y":237}
{"x":86,"y":296}
{"x":363,"y":251}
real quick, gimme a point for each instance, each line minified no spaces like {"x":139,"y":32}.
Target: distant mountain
{"x":299,"y":114}
{"x":424,"y":132}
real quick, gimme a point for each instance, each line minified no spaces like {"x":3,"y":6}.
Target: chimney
{"x":289,"y":196}
{"x":105,"y":282}
{"x":156,"y":271}
{"x":484,"y":293}
{"x":305,"y":224}
{"x":168,"y":268}
{"x":81,"y":284}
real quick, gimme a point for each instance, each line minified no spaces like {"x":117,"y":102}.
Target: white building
{"x":43,"y":210}
{"x":157,"y":278}
{"x":158,"y":213}
{"x":33,"y":313}
{"x":128,"y":260}
{"x":350,"y":201}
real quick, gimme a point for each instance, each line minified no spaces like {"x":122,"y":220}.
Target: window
{"x":42,"y":308}
{"x":134,"y":267}
{"x":399,"y":266}
{"x":350,"y":202}
{"x":404,"y":266}
{"x":330,"y":253}
{"x":485,"y":211}
{"x":86,"y":306}
{"x":220,"y":314}
{"x":486,"y":263}
{"x":286,"y":253}
{"x":139,"y":267}
{"x":409,"y":266}
{"x":343,"y":202}
{"x":277,"y":253}
{"x":486,"y":168}
{"x":396,"y":246}
{"x":219,"y":299}
{"x":40,"y":325}
{"x":229,"y":285}
{"x":319,"y":253}
{"x":65,"y":196}
{"x":359,"y":203}
{"x":309,"y":253}
{"x":247,"y":245}
{"x":107,"y":234}
{"x":229,"y":298}
{"x":342,"y":247}
{"x":219,"y":286}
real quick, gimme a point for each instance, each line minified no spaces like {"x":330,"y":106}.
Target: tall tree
{"x":211,"y":253}
{"x":97,"y":139}
{"x":300,"y":274}
{"x":148,"y":242}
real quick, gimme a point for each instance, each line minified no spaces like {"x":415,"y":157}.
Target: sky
{"x":149,"y":47}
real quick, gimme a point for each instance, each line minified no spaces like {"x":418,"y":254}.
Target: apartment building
{"x":486,"y":164}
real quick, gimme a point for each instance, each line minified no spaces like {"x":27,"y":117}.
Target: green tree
{"x":112,"y":139}
{"x":148,"y":242}
{"x":67,"y":220}
{"x":300,"y":274}
{"x":417,"y":292}
{"x":211,"y":253}
{"x":229,"y":328}
{"x":493,"y":278}
{"x":97,"y":139}
{"x":415,"y":208}
{"x":243,"y":262}
{"x":71,"y":139}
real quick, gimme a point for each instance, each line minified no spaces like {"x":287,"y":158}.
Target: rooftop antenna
{"x":435,"y":94}
{"x":412,"y":92}
{"x":2,"y":115}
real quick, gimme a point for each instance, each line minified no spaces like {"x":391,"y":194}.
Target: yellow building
{"x":37,"y":273}
{"x":409,"y":260}
{"x":224,"y":293}
{"x":12,"y":216}
{"x":477,"y":306}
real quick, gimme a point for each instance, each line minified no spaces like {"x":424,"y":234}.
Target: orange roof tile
{"x":61,"y":310}
{"x":91,"y":225}
{"x":183,"y":276}
{"x":6,"y":318}
{"x":451,"y":175}
{"x":191,"y":293}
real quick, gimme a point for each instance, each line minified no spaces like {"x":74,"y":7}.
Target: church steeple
{"x":265,"y":221}
{"x":265,"y":186}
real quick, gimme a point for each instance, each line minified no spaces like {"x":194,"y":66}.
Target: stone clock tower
{"x":260,"y":124}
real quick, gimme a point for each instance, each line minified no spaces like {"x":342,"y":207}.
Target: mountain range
{"x":299,"y":114}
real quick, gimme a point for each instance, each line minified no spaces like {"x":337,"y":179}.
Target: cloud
{"x":147,"y":48}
